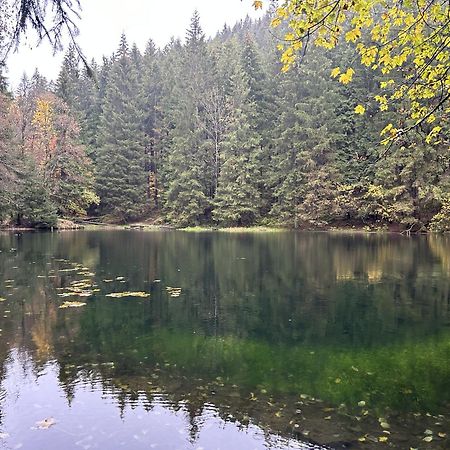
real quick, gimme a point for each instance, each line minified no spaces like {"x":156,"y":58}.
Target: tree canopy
{"x":407,"y":41}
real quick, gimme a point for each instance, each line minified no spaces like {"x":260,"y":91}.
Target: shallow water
{"x":224,"y":341}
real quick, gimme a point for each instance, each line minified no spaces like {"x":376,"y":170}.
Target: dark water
{"x":266,"y":340}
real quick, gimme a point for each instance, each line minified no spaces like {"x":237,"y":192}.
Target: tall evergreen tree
{"x":67,"y":84}
{"x":189,"y":157}
{"x":121,"y":173}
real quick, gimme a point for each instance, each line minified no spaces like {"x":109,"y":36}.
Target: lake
{"x":176,"y":340}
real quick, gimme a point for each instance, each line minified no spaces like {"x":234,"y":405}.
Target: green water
{"x":239,"y":341}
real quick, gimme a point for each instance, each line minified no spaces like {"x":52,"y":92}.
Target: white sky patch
{"x":103,"y":21}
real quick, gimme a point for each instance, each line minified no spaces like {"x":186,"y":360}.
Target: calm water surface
{"x":224,"y":341}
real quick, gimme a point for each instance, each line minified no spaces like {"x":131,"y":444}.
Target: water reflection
{"x":93,"y":419}
{"x":307,"y":336}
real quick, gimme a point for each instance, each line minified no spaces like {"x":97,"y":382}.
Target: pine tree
{"x":67,"y":84}
{"x":190,"y":151}
{"x":121,"y":158}
{"x":238,"y":199}
{"x":33,"y":205}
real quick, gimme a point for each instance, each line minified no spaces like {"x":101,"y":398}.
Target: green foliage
{"x":208,"y":132}
{"x":34,"y":207}
{"x":441,"y":220}
{"x":409,"y":37}
{"x":121,"y":178}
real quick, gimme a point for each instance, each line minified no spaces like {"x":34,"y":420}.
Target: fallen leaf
{"x":46,"y":423}
{"x":127,"y":294}
{"x":72,"y":305}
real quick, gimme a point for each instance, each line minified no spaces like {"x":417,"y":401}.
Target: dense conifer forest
{"x":213,"y":132}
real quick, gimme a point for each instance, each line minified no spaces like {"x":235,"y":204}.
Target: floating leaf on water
{"x":173,"y":291}
{"x":278,"y":414}
{"x":120,"y":278}
{"x":108,"y":281}
{"x":428,"y":438}
{"x":383,"y":439}
{"x":337,"y":380}
{"x":46,"y":423}
{"x":156,"y":281}
{"x":362,"y":403}
{"x":2,"y":299}
{"x":362,"y":439}
{"x":385,"y":425}
{"x":127,"y":294}
{"x":72,"y":305}
{"x":428,"y":432}
{"x":327,"y":418}
{"x":442,"y":435}
{"x":75,"y":294}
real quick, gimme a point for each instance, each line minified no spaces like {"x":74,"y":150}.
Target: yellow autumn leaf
{"x":347,"y":77}
{"x":335,"y":72}
{"x":359,"y":109}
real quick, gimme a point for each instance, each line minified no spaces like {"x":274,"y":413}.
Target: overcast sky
{"x":103,"y":21}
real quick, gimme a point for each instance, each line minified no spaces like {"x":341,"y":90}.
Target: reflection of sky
{"x":93,"y":419}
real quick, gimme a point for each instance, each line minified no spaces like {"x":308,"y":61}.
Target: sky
{"x":103,"y":21}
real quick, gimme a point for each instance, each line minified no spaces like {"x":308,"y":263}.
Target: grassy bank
{"x":234,"y":229}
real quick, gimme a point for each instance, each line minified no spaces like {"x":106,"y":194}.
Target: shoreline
{"x":203,"y":229}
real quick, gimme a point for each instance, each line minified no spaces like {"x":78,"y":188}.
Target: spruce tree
{"x":67,"y":84}
{"x":121,"y":173}
{"x":33,"y":204}
{"x":189,"y":158}
{"x":238,"y":199}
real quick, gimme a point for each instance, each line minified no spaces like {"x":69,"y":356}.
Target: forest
{"x":212,"y":132}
